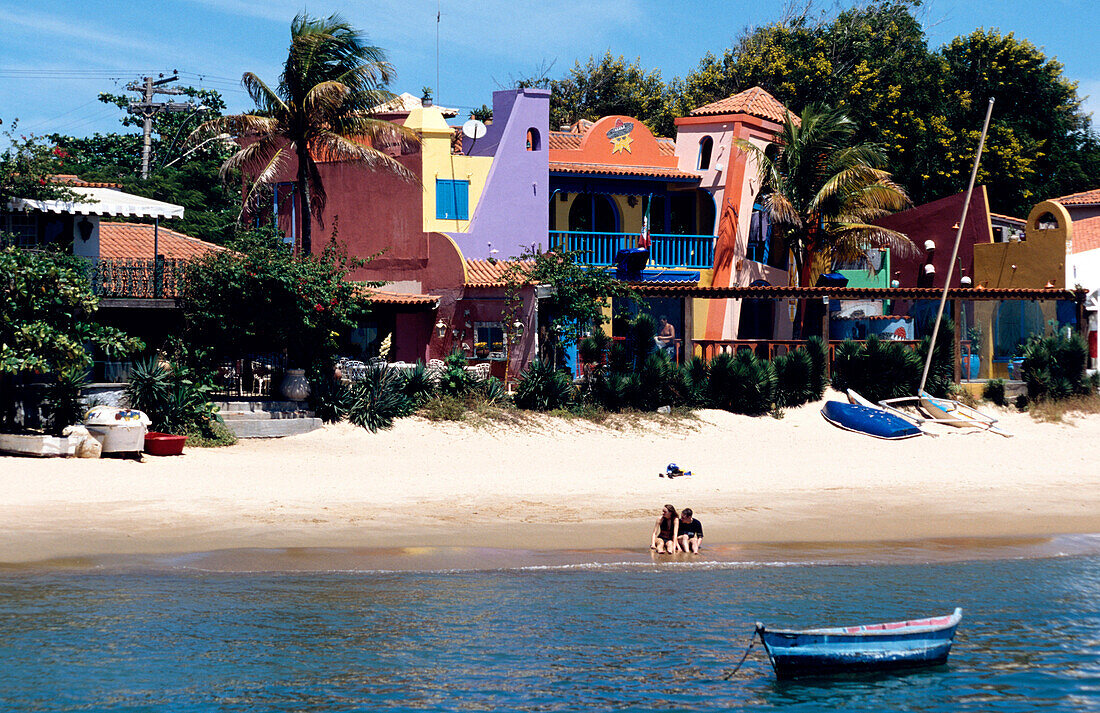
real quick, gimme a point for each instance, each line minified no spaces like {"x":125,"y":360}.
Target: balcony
{"x":695,"y":252}
{"x":135,"y":278}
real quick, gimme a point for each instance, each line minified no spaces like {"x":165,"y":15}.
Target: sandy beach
{"x":558,"y":484}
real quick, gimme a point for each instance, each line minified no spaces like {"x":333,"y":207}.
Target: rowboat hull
{"x":952,"y":412}
{"x":868,"y":420}
{"x":860,"y":649}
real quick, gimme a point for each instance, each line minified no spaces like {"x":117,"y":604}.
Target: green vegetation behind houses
{"x":922,"y":105}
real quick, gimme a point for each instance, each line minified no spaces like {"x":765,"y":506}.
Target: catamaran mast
{"x":955,"y":250}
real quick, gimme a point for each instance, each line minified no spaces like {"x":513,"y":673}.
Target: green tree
{"x":260,"y":297}
{"x":331,"y":80}
{"x":26,"y":167}
{"x":610,"y":85}
{"x":187,"y":177}
{"x":47,"y":320}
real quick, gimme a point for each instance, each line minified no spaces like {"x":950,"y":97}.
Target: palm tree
{"x":321,"y":108}
{"x":821,"y":193}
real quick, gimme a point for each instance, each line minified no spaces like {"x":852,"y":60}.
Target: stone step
{"x":263,"y":415}
{"x":272,"y":428}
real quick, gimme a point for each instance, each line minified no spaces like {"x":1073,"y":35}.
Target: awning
{"x":103,"y":201}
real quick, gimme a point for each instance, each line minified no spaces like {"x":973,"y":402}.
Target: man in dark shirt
{"x":691,"y":532}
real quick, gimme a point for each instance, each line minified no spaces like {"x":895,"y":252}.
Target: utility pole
{"x":147,"y":109}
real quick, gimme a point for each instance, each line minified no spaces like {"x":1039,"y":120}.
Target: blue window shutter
{"x":462,"y":196}
{"x":452,"y":199}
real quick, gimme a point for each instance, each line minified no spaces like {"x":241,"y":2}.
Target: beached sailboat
{"x":859,"y":649}
{"x":939,"y":410}
{"x":869,"y":420}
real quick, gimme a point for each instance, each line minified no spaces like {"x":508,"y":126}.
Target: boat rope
{"x":752,"y":642}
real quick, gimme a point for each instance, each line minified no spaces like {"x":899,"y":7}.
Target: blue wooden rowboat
{"x":868,"y":420}
{"x":860,"y":649}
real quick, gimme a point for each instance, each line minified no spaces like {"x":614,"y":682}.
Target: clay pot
{"x":295,"y":386}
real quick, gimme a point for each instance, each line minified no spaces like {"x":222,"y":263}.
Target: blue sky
{"x":57,"y":55}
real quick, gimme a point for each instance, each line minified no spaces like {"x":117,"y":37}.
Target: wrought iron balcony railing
{"x":135,"y":278}
{"x":665,"y":251}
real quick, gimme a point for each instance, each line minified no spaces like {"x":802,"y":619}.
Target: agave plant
{"x":418,"y":385}
{"x":818,"y":353}
{"x":753,"y":384}
{"x":63,"y":403}
{"x":1054,"y":368}
{"x":794,"y":372}
{"x":541,"y":387}
{"x":697,"y":374}
{"x":377,"y":400}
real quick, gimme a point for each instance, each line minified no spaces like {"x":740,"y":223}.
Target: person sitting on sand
{"x":666,"y":531}
{"x":690,"y":537}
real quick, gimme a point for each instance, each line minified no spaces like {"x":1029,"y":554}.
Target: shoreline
{"x":559,"y":485}
{"x":430,"y":560}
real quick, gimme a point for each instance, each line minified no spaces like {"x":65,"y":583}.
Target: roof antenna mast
{"x":437,"y":15}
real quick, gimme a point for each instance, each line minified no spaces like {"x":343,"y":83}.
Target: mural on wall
{"x":619,"y":136}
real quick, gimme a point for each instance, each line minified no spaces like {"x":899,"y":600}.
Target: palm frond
{"x":266,"y":100}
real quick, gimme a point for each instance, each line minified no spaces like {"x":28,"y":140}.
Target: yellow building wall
{"x":439,"y":163}
{"x":1034,"y":262}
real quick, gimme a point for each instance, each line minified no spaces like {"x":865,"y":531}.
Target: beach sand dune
{"x":558,"y":484}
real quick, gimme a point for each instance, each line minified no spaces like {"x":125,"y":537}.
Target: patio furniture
{"x":261,"y":377}
{"x":229,"y":375}
{"x":480,"y":372}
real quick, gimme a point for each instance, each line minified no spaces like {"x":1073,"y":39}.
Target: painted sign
{"x":619,"y":136}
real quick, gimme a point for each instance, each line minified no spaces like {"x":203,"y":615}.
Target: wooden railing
{"x":665,"y":251}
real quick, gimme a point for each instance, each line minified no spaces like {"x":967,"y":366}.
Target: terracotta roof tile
{"x":1008,"y":218}
{"x":667,"y":147}
{"x":566,"y":140}
{"x":606,"y":169}
{"x":399,"y":298}
{"x":69,"y":179}
{"x":1086,"y":234}
{"x":754,"y":102}
{"x":1084,"y":198}
{"x":493,"y":273}
{"x":135,"y":240}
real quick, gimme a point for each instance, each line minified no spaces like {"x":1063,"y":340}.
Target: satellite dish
{"x":473,"y":129}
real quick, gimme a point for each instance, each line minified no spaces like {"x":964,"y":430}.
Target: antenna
{"x":437,"y":16}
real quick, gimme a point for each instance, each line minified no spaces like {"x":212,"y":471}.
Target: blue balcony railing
{"x":668,"y":251}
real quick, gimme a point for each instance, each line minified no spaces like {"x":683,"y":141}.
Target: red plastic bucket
{"x":164,"y":444}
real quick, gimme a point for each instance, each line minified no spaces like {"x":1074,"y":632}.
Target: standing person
{"x":666,"y":336}
{"x":690,"y":532}
{"x":666,"y":531}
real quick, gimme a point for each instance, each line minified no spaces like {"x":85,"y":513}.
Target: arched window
{"x":706,"y":145}
{"x":1047,"y":222}
{"x":533,"y":143}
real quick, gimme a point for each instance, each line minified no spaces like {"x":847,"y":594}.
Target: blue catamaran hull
{"x":868,"y":420}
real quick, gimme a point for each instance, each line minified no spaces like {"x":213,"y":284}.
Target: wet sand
{"x":554,"y":486}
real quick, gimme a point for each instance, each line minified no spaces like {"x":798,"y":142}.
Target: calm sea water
{"x":597,"y":637}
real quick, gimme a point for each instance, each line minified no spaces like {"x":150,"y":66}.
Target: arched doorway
{"x":593,"y":213}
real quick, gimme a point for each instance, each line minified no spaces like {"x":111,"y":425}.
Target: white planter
{"x":295,"y":386}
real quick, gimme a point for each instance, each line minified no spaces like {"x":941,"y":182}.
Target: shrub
{"x":659,"y":383}
{"x":541,"y":387}
{"x":720,"y":382}
{"x":994,"y":391}
{"x":696,"y":375}
{"x":491,"y":390}
{"x":594,"y":348}
{"x":1054,"y":368}
{"x":877,"y":370}
{"x":377,"y":400}
{"x":794,"y":379}
{"x":63,"y":405}
{"x":818,"y":352}
{"x":455,"y":380}
{"x":418,"y":384}
{"x":330,"y":399}
{"x":176,"y":397}
{"x":753,"y":384}
{"x":444,"y":408}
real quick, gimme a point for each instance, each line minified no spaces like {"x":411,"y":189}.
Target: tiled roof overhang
{"x":399,"y":299}
{"x":664,"y":173}
{"x":664,"y":289}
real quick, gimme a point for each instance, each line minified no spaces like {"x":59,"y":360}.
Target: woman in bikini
{"x":665,"y":532}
